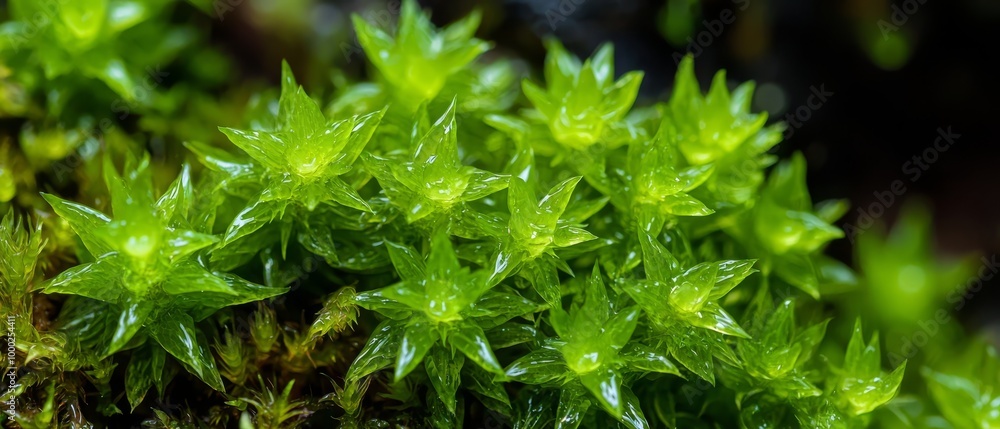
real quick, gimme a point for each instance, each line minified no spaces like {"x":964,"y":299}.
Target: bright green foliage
{"x":968,"y":393}
{"x":591,"y":356}
{"x":418,"y":59}
{"x":778,"y":378}
{"x":655,"y":183}
{"x":431,"y":183}
{"x":718,"y":128}
{"x":19,"y":248}
{"x":775,"y":356}
{"x":263,"y":329}
{"x":583,"y":104}
{"x":302,"y":161}
{"x":301,"y":166}
{"x":862,"y":386}
{"x":787,"y":230}
{"x":438,"y":305}
{"x":412,"y":250}
{"x":146,"y":271}
{"x":91,"y":38}
{"x":682,"y":305}
{"x":537,"y":227}
{"x":726,"y":123}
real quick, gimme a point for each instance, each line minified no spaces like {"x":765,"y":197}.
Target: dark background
{"x":882,"y":112}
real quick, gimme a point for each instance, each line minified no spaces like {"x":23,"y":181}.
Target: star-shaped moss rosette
{"x":773,"y":358}
{"x":584,"y":104}
{"x":298,"y":166}
{"x":682,"y":305}
{"x":418,"y":59}
{"x":536,"y":228}
{"x":655,"y":184}
{"x":435,"y":315}
{"x":430,"y":184}
{"x":718,"y":128}
{"x":776,"y":377}
{"x":146,"y":271}
{"x":787,"y":230}
{"x":591,"y":357}
{"x":861,"y":386}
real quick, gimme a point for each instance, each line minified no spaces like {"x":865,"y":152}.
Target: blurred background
{"x":866,"y":86}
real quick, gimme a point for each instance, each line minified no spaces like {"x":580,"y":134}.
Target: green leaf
{"x":418,"y":61}
{"x":89,"y":280}
{"x":573,"y":404}
{"x":145,"y":368}
{"x":605,"y":384}
{"x":713,"y":317}
{"x":179,"y":337}
{"x":539,"y":366}
{"x":379,"y":352}
{"x":632,"y":415}
{"x":642,"y":358}
{"x":83,"y":220}
{"x":444,"y":370}
{"x":409,"y":264}
{"x":192,"y":278}
{"x":471,"y":341}
{"x":418,"y":338}
{"x":130,"y":321}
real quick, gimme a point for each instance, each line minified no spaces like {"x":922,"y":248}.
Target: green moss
{"x":438,"y":245}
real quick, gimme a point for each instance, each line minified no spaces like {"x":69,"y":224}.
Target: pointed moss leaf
{"x":83,"y":220}
{"x":582,"y":102}
{"x":176,"y":199}
{"x":418,"y":61}
{"x":713,"y":317}
{"x":495,"y":308}
{"x":433,"y":179}
{"x":145,"y":368}
{"x":471,"y":341}
{"x":658,"y":263}
{"x":179,"y":337}
{"x":444,"y":370}
{"x":409,"y":264}
{"x":695,"y":354}
{"x":639,"y":357}
{"x":799,"y":271}
{"x":605,"y":385}
{"x":144,"y":255}
{"x":89,"y":280}
{"x":963,"y":401}
{"x":698,"y":117}
{"x":540,"y":366}
{"x":535,"y":223}
{"x":130,"y":321}
{"x":265,"y":148}
{"x":632,"y":416}
{"x":729,"y":274}
{"x":863,"y":386}
{"x":510,"y":334}
{"x":417,"y":340}
{"x":573,"y":404}
{"x":783,"y":220}
{"x":378,"y":353}
{"x":693,"y":287}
